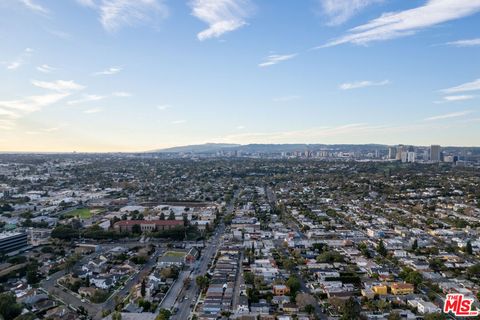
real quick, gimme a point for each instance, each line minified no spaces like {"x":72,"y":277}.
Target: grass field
{"x":81,"y":213}
{"x":174,"y":254}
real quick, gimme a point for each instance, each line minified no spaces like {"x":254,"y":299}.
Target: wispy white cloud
{"x":95,"y":97}
{"x":276,"y":58}
{"x":286,"y":98}
{"x":408,"y":22}
{"x":466,"y":87}
{"x":86,"y":98}
{"x":339,"y":11}
{"x":465,"y":43}
{"x":222,"y":16}
{"x":59,"y":34}
{"x":45,"y":68}
{"x":241,"y":127}
{"x":87,"y":3}
{"x":91,"y":111}
{"x":306,"y":135}
{"x":470,"y":120}
{"x":362,"y":84}
{"x":14,"y":109}
{"x":121,"y":94}
{"x":53,"y":129}
{"x":449,"y":115}
{"x":346,"y":133}
{"x":164,"y":107}
{"x":18,"y":61}
{"x":6,"y":124}
{"x":59,"y":85}
{"x":115,"y":14}
{"x":108,"y":72}
{"x":30,"y":4}
{"x":17,"y":108}
{"x":179,"y":121}
{"x":46,"y":130}
{"x":458,"y":98}
{"x":6,"y":113}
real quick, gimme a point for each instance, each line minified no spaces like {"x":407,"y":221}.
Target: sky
{"x":138,"y":75}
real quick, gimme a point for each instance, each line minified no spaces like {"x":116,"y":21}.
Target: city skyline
{"x":121,"y":75}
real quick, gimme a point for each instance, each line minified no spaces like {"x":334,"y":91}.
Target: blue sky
{"x":134,"y":75}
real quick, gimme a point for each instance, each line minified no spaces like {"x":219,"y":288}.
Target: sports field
{"x":80,"y":213}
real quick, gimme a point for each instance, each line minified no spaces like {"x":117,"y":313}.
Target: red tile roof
{"x":155,"y":222}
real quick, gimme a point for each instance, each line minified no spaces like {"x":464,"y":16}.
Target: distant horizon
{"x":130,"y":76}
{"x":159,"y":150}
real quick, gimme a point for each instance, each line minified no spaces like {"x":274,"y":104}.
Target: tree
{"x":415,"y":245}
{"x":474,"y":270}
{"x":436,"y":264}
{"x":309,"y":309}
{"x":70,"y":263}
{"x":64,"y":232}
{"x":364,"y":249}
{"x":99,"y":296}
{"x":381,"y":249}
{"x":248,"y":277}
{"x":162,"y":216}
{"x":116,"y":316}
{"x":202,"y":282}
{"x":9,"y":308}
{"x":434,"y":316}
{"x":394,"y":316}
{"x":171,"y":216}
{"x":414,"y":277}
{"x":289,"y":264}
{"x":350,"y":310}
{"x":164,"y":314}
{"x":293,"y":284}
{"x":468,"y":248}
{"x":145,"y":304}
{"x":304,"y":299}
{"x":143,"y":288}
{"x":32,"y":277}
{"x":136,"y":229}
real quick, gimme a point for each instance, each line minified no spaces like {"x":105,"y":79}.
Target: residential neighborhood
{"x":97,"y":237}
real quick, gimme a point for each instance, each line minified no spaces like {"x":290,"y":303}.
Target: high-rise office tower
{"x":392,"y":153}
{"x":435,"y":153}
{"x":401,"y":148}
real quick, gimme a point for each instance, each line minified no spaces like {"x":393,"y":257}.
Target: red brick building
{"x":147,"y":225}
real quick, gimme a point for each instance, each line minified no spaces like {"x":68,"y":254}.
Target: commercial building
{"x":12,"y":241}
{"x":392,"y":153}
{"x":38,"y":236}
{"x":435,"y":153}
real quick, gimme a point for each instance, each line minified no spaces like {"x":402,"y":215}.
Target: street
{"x":185,"y":305}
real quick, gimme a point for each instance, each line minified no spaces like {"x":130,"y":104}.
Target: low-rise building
{"x":147,"y":225}
{"x":402,"y":288}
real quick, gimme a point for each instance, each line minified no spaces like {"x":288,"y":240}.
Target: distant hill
{"x":266,"y":148}
{"x":200,"y":148}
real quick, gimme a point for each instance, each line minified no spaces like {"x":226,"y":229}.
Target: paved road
{"x":189,"y":296}
{"x":174,"y":291}
{"x":188,"y":299}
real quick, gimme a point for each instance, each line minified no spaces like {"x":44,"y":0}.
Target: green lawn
{"x":174,"y":254}
{"x":81,"y":213}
